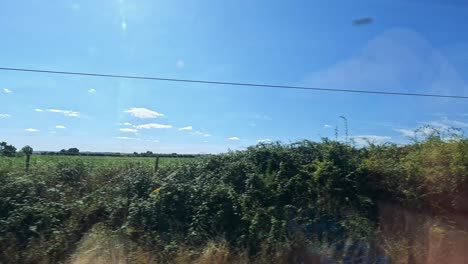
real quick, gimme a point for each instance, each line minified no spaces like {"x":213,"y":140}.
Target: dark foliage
{"x":256,"y":199}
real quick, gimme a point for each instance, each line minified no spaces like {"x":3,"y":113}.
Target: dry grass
{"x":410,"y":237}
{"x":98,"y":247}
{"x":406,"y":237}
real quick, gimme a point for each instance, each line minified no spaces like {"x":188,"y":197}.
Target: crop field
{"x":41,"y":161}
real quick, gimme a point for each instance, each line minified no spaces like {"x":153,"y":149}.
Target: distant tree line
{"x":70,"y":151}
{"x":151,"y":154}
{"x":7,"y":150}
{"x":10,"y":151}
{"x":75,"y":151}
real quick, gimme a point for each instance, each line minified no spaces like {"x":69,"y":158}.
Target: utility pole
{"x":156,"y":164}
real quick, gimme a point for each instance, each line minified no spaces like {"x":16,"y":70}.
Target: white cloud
{"x":31,"y":130}
{"x":423,"y":131}
{"x":128,"y":130}
{"x":143,"y":113}
{"x":266,"y":140}
{"x":156,"y":141}
{"x":92,"y":91}
{"x":442,"y":125}
{"x":327,"y":126}
{"x":123,"y":24}
{"x":125,"y":138}
{"x":64,"y":112}
{"x":438,"y":125}
{"x":61,"y":127}
{"x":153,"y":125}
{"x":196,"y":133}
{"x":233,"y":138}
{"x":127,"y":124}
{"x":363,"y":139}
{"x":456,"y":123}
{"x":406,"y":132}
{"x":390,"y":62}
{"x":55,"y":110}
{"x":5,"y":115}
{"x":199,"y":133}
{"x":429,"y":130}
{"x":6,"y":90}
{"x":446,"y":123}
{"x":38,"y":110}
{"x":180,"y":64}
{"x":186,"y":128}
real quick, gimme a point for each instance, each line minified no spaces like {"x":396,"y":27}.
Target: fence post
{"x":28,"y":157}
{"x":156,"y":164}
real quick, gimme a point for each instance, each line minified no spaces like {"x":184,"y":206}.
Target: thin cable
{"x":233,"y":83}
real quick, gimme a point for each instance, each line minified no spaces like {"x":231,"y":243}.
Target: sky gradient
{"x":411,"y":46}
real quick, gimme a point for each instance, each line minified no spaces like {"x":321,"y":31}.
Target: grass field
{"x":41,"y":161}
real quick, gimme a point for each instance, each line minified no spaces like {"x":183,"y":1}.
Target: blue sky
{"x":412,"y":46}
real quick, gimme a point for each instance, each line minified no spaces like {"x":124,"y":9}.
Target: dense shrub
{"x":260,"y":201}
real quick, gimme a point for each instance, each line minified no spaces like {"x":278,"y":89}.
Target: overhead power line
{"x":232,"y":83}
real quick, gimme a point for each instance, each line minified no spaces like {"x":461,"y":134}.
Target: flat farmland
{"x":44,"y":161}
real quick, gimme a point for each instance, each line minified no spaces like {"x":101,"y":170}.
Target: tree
{"x":146,"y":154}
{"x":73,"y":151}
{"x":7,"y":150}
{"x":27,"y":150}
